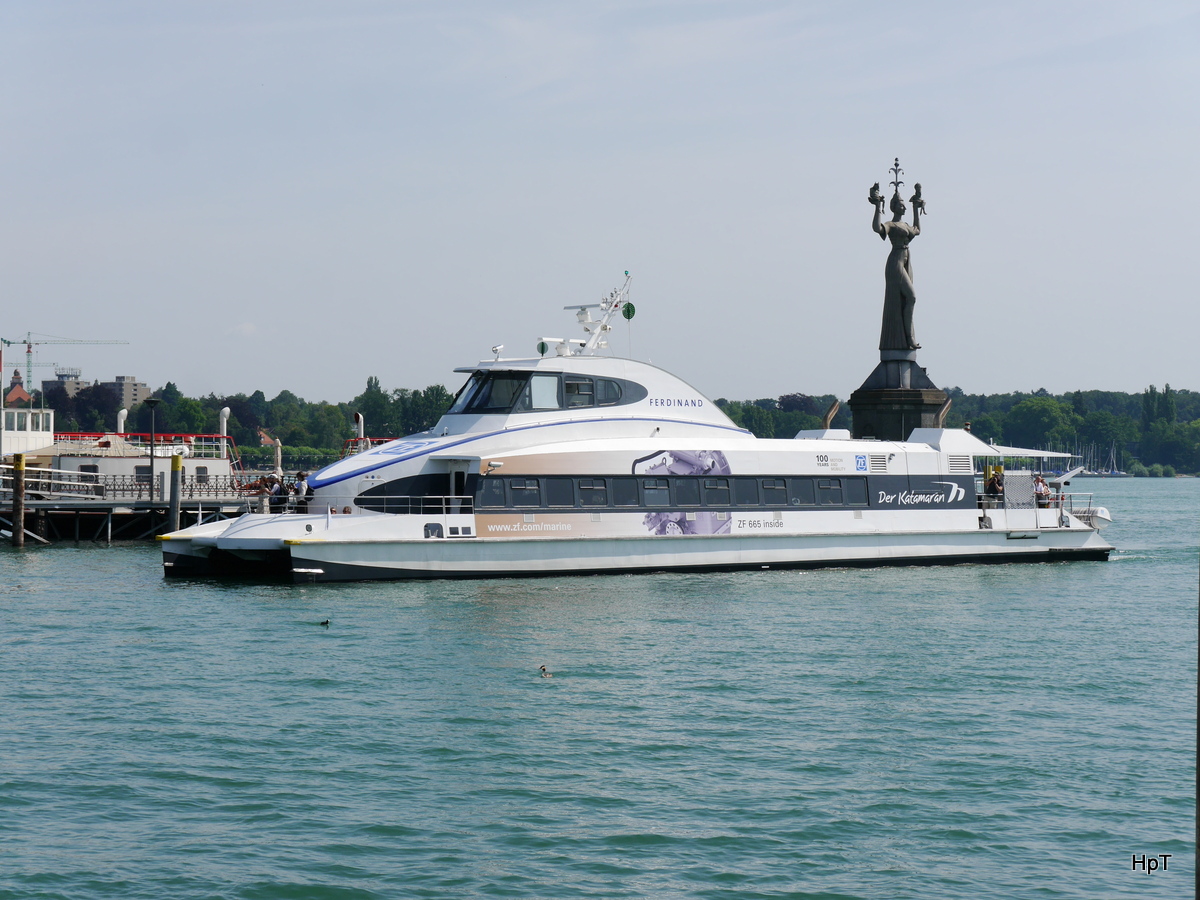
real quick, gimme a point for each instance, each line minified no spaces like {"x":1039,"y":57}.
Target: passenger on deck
{"x":995,"y":485}
{"x":300,"y":491}
{"x":1041,"y":491}
{"x":276,"y":494}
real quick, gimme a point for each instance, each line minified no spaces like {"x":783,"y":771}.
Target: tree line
{"x":1156,"y":428}
{"x":1137,"y":431}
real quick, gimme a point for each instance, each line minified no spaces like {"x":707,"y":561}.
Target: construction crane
{"x":30,"y":343}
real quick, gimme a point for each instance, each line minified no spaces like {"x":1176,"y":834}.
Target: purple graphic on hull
{"x":684,"y":462}
{"x":687,"y":523}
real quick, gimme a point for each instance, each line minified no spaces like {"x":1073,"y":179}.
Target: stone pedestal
{"x":897,"y":397}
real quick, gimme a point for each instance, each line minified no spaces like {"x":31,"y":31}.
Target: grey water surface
{"x":967,"y":731}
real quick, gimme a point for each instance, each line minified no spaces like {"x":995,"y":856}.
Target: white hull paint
{"x":338,"y":548}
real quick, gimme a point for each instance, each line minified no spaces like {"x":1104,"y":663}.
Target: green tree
{"x":1149,"y":406}
{"x":377,"y":409}
{"x":758,"y":420}
{"x":988,"y":427}
{"x":1039,"y":421}
{"x":1166,"y":404}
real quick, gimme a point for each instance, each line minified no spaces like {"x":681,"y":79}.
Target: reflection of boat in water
{"x":575,"y":462}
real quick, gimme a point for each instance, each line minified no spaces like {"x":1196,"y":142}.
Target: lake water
{"x":970,"y":731}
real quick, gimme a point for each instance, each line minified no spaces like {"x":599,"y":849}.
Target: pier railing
{"x":57,"y":484}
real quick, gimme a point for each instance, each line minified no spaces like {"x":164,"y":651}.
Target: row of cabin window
{"x":19,"y":420}
{"x":525,"y":392}
{"x":671,"y":492}
{"x":141,"y":474}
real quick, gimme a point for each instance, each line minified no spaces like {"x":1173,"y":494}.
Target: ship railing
{"x":200,"y":446}
{"x":355,"y":445}
{"x":1075,"y":503}
{"x":391,"y":504}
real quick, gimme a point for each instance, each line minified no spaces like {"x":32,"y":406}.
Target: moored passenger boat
{"x":576,"y":462}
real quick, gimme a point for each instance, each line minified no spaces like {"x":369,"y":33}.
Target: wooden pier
{"x":48,"y":507}
{"x":53,"y":521}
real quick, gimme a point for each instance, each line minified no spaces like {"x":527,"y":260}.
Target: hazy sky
{"x":298,"y":195}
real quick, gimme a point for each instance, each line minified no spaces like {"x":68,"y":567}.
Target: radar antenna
{"x":596,"y":330}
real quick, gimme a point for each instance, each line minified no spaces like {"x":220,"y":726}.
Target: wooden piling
{"x":176,"y":490}
{"x":18,"y":517}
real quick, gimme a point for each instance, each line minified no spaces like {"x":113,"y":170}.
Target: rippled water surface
{"x":971,"y":731}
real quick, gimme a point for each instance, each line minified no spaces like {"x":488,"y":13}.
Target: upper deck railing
{"x":201,"y":446}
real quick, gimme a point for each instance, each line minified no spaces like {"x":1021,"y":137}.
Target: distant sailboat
{"x":1109,"y":470}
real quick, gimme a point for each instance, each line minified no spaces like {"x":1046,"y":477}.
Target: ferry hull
{"x":499,"y":558}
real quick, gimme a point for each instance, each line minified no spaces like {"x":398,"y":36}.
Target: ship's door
{"x":1020,"y":502}
{"x":457,"y":488}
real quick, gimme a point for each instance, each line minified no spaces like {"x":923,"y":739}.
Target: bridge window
{"x":201,"y":474}
{"x":490,"y":392}
{"x":608,"y":393}
{"x":579,"y":391}
{"x":542,"y":393}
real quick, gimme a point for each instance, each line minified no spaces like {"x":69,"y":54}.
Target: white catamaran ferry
{"x":576,"y":462}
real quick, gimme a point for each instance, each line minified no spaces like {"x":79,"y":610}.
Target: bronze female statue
{"x":899,"y":296}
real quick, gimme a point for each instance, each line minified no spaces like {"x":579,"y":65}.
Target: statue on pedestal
{"x":899,"y":296}
{"x":898,"y":395}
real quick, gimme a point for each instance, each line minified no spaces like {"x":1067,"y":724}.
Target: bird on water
{"x":545,"y":674}
{"x":325,"y":623}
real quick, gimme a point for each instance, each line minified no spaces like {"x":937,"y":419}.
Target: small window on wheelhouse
{"x":578,"y":391}
{"x":201,"y":474}
{"x":607,"y":392}
{"x":89,"y":474}
{"x":541,"y":393}
{"x":141,"y":474}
